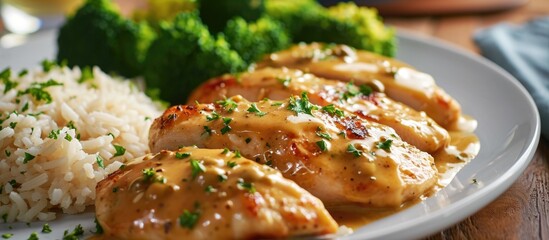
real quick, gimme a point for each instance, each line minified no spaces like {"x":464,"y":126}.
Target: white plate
{"x":508,"y":129}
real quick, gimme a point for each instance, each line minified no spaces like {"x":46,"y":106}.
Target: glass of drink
{"x":27,"y":16}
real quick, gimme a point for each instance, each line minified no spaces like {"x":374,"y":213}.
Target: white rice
{"x":64,"y":171}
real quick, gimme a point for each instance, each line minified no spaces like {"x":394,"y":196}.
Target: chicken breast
{"x":280,"y":83}
{"x":339,"y":159}
{"x":402,"y":83}
{"x":206,"y":194}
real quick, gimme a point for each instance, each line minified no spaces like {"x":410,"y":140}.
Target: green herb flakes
{"x":226,"y":128}
{"x":228,"y":104}
{"x":285,"y":81}
{"x":332,"y":110}
{"x":231,"y":164}
{"x":7,"y":235}
{"x":28,"y":157}
{"x":322,"y":145}
{"x":253,"y":109}
{"x":385,"y":145}
{"x":33,"y":236}
{"x":214,"y":116}
{"x":189,"y":219}
{"x":352,"y":149}
{"x":196,"y":168}
{"x":301,"y":105}
{"x":246,"y":186}
{"x":37,"y":91}
{"x":46,"y":228}
{"x":119,"y":150}
{"x":182,"y":155}
{"x":100,"y":162}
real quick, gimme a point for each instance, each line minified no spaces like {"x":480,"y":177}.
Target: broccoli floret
{"x":162,"y":10}
{"x":368,"y":30}
{"x":253,"y":40}
{"x":97,"y":35}
{"x":216,"y":13}
{"x":345,"y":23}
{"x":184,"y":55}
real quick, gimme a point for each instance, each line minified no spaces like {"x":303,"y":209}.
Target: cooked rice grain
{"x":50,"y":151}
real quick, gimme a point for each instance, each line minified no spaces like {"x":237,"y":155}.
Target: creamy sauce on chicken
{"x":463,"y":147}
{"x":206,"y":194}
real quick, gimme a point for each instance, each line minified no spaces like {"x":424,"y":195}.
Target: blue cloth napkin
{"x":524,"y":52}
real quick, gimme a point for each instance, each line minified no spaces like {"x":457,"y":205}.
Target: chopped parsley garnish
{"x":353,"y":90}
{"x":33,"y":236}
{"x":248,"y":140}
{"x":7,"y":152}
{"x":5,"y":217}
{"x":13,"y":183}
{"x":68,"y":137}
{"x":332,"y":110}
{"x":54,"y":134}
{"x":70,"y":125}
{"x":246,"y":186}
{"x":5,"y":77}
{"x":276,"y":104}
{"x":285,"y":81}
{"x":196,"y":168}
{"x":213,"y":117}
{"x":207,"y":130}
{"x":112,"y":135}
{"x":322,"y":145}
{"x":352,"y":149}
{"x":87,"y":73}
{"x":210,"y":189}
{"x":323,"y":134}
{"x":115,"y":189}
{"x":37,"y":91}
{"x":222,"y":177}
{"x":182,"y":155}
{"x":226,"y":128}
{"x":98,"y":227}
{"x":46,"y":228}
{"x":301,"y":105}
{"x":385,"y":145}
{"x":47,"y":65}
{"x":365,"y":90}
{"x":231,"y":164}
{"x":149,"y":175}
{"x":237,"y":154}
{"x":78,"y":231}
{"x":225,"y":151}
{"x":25,"y":107}
{"x":253,"y":109}
{"x":189,"y":219}
{"x":28,"y":157}
{"x":7,"y":235}
{"x":119,"y":150}
{"x":228,"y":104}
{"x":23,"y":73}
{"x":100,"y":162}
{"x":13,"y":125}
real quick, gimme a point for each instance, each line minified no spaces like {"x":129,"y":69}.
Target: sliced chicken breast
{"x":206,"y":194}
{"x":280,"y":83}
{"x":339,"y":159}
{"x":402,"y":82}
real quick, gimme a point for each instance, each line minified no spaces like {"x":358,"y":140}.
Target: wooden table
{"x":522,"y":212}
